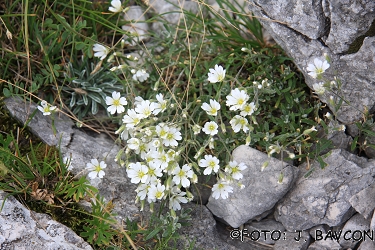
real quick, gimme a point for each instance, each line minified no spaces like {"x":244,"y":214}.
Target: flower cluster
{"x":157,"y":171}
{"x":154,"y":145}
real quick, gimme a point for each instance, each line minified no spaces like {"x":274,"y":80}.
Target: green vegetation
{"x":46,"y":54}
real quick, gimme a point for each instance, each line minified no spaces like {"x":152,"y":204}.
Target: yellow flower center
{"x":116,"y":102}
{"x":181,"y":173}
{"x":159,"y":194}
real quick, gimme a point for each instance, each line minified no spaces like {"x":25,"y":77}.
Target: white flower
{"x":237,"y":99}
{"x":248,"y":109}
{"x":45,"y":108}
{"x":137,"y":172}
{"x":319,"y":88}
{"x":216,"y":75}
{"x":161,"y":159}
{"x":181,"y":175}
{"x":154,"y":170}
{"x":162,"y":130}
{"x":211,"y":108}
{"x":116,"y":6}
{"x":141,"y":75}
{"x":131,"y":119}
{"x":222,"y":189}
{"x":177,"y":198}
{"x":116,"y":103}
{"x":210,"y":128}
{"x":238,"y":122}
{"x":100,"y":51}
{"x":211,"y":163}
{"x":145,"y":108}
{"x":317,"y":68}
{"x":235,"y":169}
{"x":142,"y":190}
{"x":156,"y":192}
{"x":96,"y":168}
{"x":134,"y":143}
{"x":173,"y":134}
{"x":161,"y":105}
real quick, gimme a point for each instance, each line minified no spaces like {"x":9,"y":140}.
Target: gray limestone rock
{"x":306,"y":17}
{"x":299,"y":240}
{"x":343,"y":22}
{"x":347,"y":20}
{"x":21,"y":228}
{"x":41,"y":125}
{"x":354,"y":229}
{"x":323,"y":197}
{"x":325,"y":245}
{"x":261,"y":191}
{"x":367,"y":245}
{"x":271,"y":228}
{"x":363,"y":202}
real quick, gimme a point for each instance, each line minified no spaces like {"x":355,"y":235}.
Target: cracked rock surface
{"x":261,"y":191}
{"x":343,"y":30}
{"x":21,"y":228}
{"x":323,"y":197}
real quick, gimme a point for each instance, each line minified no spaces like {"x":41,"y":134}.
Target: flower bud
{"x":248,"y":140}
{"x":264,"y":165}
{"x":196,"y":156}
{"x":281,"y":177}
{"x":189,"y":196}
{"x":223,"y":127}
{"x":308,"y":131}
{"x":194,"y":179}
{"x":196,"y":129}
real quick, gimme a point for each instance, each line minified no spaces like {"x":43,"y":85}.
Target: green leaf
{"x":153,"y":233}
{"x":6,"y":92}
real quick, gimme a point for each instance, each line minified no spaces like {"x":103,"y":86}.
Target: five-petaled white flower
{"x":100,"y":51}
{"x":248,"y":109}
{"x":317,"y":68}
{"x":238,"y":122}
{"x":137,"y":172}
{"x":181,"y":175}
{"x":211,"y":163}
{"x":134,"y":143}
{"x":45,"y":108}
{"x":172,"y":136}
{"x":237,"y":99}
{"x":235,"y":169}
{"x":319,"y":88}
{"x":116,"y":103}
{"x":140,"y":75}
{"x":161,"y":105}
{"x":222,"y":189}
{"x":116,"y":6}
{"x":177,"y":198}
{"x":156,"y":192}
{"x":210,"y":128}
{"x":131,"y":119}
{"x":96,"y":168}
{"x":211,"y":108}
{"x":145,"y":108}
{"x":216,"y":75}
